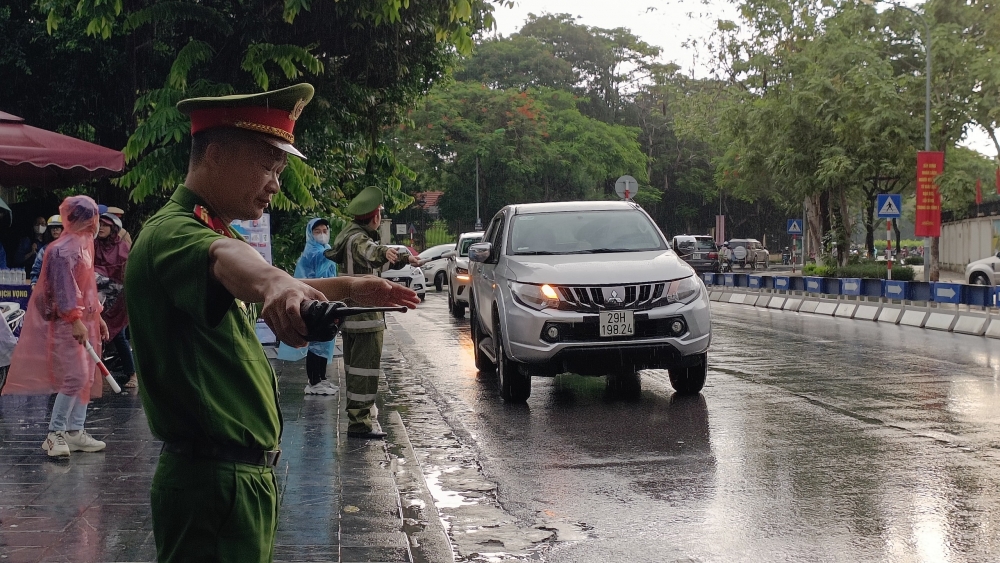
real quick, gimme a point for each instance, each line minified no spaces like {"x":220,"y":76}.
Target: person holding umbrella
{"x":64,"y":314}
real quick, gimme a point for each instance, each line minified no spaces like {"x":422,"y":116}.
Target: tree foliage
{"x":370,"y":60}
{"x":532,"y":145}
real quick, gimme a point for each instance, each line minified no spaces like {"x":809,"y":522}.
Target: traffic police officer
{"x":357,"y":253}
{"x":206,"y":386}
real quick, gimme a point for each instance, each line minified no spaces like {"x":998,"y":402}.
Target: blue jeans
{"x":124,"y":352}
{"x":68,"y":413}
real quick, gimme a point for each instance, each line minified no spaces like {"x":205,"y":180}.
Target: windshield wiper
{"x":537,"y":253}
{"x":602,"y":251}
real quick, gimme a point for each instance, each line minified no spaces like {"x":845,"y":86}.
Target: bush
{"x":814,"y":270}
{"x":875,"y":270}
{"x":914,"y":261}
{"x":438,"y":233}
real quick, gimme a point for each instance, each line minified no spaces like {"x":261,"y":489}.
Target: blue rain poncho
{"x":311,"y":265}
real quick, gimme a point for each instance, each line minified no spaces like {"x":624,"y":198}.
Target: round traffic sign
{"x":626,"y":187}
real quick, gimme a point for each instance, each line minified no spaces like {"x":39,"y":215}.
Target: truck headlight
{"x":462,"y":273}
{"x":537,"y":297}
{"x":684,"y":290}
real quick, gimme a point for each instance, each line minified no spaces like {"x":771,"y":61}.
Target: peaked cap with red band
{"x":273,"y":113}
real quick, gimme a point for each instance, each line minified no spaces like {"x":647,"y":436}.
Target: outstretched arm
{"x":369,"y":291}
{"x":248,"y":277}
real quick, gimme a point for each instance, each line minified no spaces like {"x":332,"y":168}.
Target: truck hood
{"x":599,"y":269}
{"x":982,"y":263}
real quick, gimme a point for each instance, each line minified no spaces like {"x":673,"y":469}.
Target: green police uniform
{"x":357,"y":253}
{"x":207,"y":388}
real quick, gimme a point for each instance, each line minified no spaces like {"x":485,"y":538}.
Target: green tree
{"x":519,"y":62}
{"x":531,"y":145}
{"x":370,"y":60}
{"x":609,"y":63}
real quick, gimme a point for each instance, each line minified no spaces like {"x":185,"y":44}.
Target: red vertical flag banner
{"x":998,"y":181}
{"x":979,"y":191}
{"x":929,"y":165}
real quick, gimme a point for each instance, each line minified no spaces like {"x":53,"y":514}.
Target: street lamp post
{"x":927,"y":108}
{"x":479,"y":221}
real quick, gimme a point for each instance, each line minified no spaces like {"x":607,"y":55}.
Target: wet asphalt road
{"x":815,"y":439}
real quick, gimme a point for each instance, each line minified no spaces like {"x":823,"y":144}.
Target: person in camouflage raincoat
{"x":357,"y":252}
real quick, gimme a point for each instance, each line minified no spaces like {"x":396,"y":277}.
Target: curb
{"x":429,"y":542}
{"x":902,"y":313}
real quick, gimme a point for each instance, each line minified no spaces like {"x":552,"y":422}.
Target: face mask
{"x":322,"y":239}
{"x":40,"y":229}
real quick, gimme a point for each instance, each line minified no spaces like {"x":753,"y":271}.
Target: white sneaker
{"x":323,"y":387}
{"x":83,"y":442}
{"x":55,"y":444}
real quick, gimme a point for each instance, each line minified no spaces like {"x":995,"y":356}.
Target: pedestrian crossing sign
{"x":794,"y":227}
{"x":889,"y":206}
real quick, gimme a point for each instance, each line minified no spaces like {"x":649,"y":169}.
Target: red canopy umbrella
{"x":34,"y":157}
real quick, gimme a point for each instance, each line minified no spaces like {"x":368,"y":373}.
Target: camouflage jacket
{"x":356,"y":252}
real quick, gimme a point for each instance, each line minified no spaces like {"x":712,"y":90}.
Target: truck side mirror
{"x":480,"y":252}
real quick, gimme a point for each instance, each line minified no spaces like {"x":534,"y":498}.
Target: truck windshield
{"x":583,"y":232}
{"x":464,"y":244}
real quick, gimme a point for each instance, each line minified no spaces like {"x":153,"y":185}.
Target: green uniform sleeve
{"x":368,"y":252}
{"x":180,"y":260}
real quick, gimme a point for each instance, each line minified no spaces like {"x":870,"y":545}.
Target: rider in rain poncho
{"x":312,"y":264}
{"x":63,"y":314}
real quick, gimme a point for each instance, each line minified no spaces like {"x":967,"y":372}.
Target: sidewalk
{"x":339,"y":500}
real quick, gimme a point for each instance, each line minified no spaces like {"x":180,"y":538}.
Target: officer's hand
{"x":282,"y":311}
{"x":370,"y":291}
{"x":414,"y":261}
{"x":80,"y":332}
{"x":391,"y":255}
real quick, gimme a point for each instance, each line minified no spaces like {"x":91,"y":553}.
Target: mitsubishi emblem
{"x":614,"y":299}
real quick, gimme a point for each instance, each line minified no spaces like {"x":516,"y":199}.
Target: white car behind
{"x":983,"y":272}
{"x":410,"y":276}
{"x":435,"y":266}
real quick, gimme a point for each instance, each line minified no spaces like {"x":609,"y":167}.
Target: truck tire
{"x":514,"y":386}
{"x":690,"y":380}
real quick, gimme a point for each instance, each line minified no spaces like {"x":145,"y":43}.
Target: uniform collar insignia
{"x":202,"y":214}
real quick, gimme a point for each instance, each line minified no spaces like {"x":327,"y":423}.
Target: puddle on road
{"x":442,"y":497}
{"x":479,"y":528}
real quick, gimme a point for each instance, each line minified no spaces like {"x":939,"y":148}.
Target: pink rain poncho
{"x":47,"y":359}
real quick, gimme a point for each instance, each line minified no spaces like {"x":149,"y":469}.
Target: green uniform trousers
{"x":362,"y":356}
{"x":213,"y":511}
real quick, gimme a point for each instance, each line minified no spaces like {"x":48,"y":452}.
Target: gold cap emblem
{"x":297,"y":110}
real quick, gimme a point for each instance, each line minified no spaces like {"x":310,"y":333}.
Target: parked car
{"x":983,"y":272}
{"x":458,"y":273}
{"x":749,"y":253}
{"x":589,"y":287}
{"x":699,"y":251}
{"x":410,"y":276}
{"x":435,"y":265}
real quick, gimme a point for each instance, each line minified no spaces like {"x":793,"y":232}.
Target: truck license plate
{"x":617,"y":323}
{"x":697,"y":256}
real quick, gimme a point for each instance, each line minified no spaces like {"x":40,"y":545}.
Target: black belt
{"x":228,"y":453}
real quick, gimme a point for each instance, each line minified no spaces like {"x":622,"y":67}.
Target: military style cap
{"x":272,"y":113}
{"x":365,"y":203}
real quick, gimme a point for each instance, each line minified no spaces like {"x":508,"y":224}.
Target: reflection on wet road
{"x":815,"y":439}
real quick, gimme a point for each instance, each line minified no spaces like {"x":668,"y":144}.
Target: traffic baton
{"x":104,"y":369}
